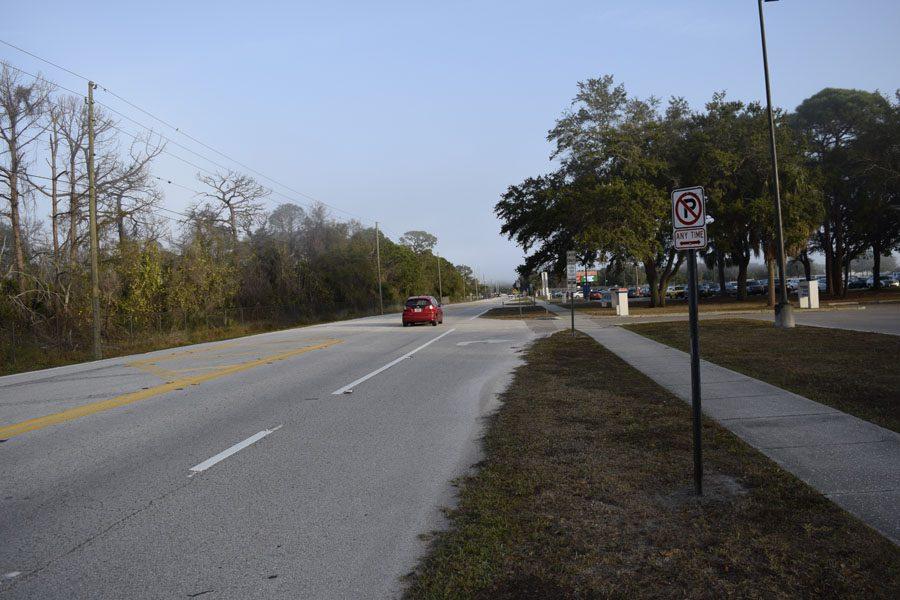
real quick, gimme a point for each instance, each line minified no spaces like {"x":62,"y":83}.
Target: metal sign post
{"x":571,"y":280}
{"x":695,"y":371}
{"x":689,"y":233}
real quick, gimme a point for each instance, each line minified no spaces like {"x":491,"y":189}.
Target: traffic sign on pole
{"x":689,"y":219}
{"x":689,"y":233}
{"x":571,"y":271}
{"x":688,"y":210}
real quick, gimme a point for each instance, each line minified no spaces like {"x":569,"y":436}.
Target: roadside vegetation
{"x":585,"y":492}
{"x":617,"y":157}
{"x":241,"y":258}
{"x":853,"y":371}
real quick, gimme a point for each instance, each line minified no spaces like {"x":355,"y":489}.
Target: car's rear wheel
{"x":434,"y":323}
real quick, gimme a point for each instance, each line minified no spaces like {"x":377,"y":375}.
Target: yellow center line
{"x":88,"y":409}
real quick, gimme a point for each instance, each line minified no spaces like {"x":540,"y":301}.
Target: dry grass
{"x":853,"y":371}
{"x":584,"y":492}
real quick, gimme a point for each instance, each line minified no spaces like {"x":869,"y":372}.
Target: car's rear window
{"x":418,"y":302}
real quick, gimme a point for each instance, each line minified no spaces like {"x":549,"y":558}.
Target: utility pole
{"x":378,"y":261}
{"x":440,"y":285}
{"x":95,"y":243}
{"x":784,"y":317}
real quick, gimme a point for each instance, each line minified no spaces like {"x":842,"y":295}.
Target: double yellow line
{"x":84,"y":410}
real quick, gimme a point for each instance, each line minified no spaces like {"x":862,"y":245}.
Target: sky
{"x":420,"y":114}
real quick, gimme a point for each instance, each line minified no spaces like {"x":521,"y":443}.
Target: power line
{"x":136,"y":138}
{"x":179,"y":130}
{"x":163,"y":208}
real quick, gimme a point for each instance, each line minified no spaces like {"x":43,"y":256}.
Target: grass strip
{"x":584,"y":492}
{"x":518,"y":312}
{"x":853,"y":371}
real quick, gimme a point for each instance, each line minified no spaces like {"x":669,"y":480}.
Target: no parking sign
{"x":689,"y":218}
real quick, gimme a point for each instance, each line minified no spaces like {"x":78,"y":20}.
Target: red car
{"x":422,"y":309}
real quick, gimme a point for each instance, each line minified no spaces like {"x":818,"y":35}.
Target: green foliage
{"x":621,"y":156}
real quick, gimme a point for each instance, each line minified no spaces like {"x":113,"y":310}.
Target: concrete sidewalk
{"x":853,"y":462}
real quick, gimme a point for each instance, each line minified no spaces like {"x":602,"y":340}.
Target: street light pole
{"x":784,"y":317}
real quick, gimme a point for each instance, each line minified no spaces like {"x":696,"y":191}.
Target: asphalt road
{"x":233,"y":470}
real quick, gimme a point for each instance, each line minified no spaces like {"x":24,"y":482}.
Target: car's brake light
{"x":430,"y":307}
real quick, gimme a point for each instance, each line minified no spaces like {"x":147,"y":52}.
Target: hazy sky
{"x":420,"y":114}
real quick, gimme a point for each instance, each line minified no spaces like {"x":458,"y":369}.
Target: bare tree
{"x":234,"y":199}
{"x":21,"y":122}
{"x":126,"y":188}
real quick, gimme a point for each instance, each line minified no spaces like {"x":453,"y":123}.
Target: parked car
{"x":578,"y":295}
{"x":596,"y":294}
{"x":858,"y":283}
{"x":635,"y":292}
{"x":731,"y":288}
{"x":706,"y":289}
{"x":422,"y":309}
{"x":755,"y":287}
{"x":888,"y":282}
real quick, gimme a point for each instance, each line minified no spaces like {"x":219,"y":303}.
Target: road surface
{"x":297,"y":464}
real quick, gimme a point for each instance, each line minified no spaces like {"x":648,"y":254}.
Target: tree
{"x":831,"y":121}
{"x":418,"y":241}
{"x":876,"y":158}
{"x":610,"y":198}
{"x":22,"y":109}
{"x":237,"y":196}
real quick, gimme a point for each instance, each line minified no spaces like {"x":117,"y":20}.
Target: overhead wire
{"x":179,"y":130}
{"x":137,"y":138}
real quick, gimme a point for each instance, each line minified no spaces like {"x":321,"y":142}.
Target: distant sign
{"x":571,"y":271}
{"x":689,"y":218}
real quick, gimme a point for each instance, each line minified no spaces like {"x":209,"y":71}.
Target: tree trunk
{"x":743,"y":263}
{"x":846,"y":279}
{"x":807,"y":265}
{"x":15,"y":222}
{"x":73,"y":212}
{"x":54,"y":193}
{"x":652,"y":281}
{"x":770,"y":266}
{"x":720,"y":265}
{"x":876,"y":266}
{"x":836,"y":274}
{"x":232,"y":220}
{"x":120,"y":221}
